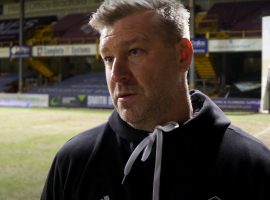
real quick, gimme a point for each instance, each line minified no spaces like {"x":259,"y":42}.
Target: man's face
{"x":142,"y":71}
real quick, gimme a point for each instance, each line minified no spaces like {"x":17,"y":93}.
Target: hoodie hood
{"x":206,"y":115}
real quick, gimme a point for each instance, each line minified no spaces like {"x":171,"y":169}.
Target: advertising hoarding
{"x":235,"y":45}
{"x":64,"y":50}
{"x":20,"y":51}
{"x":200,"y":45}
{"x":24,"y":100}
{"x":4,"y":52}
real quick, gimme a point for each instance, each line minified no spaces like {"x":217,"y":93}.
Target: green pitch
{"x":29,"y":139}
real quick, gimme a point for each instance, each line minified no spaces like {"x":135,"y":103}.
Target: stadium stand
{"x":6,"y":80}
{"x":93,"y":83}
{"x":236,"y":16}
{"x":9,"y":80}
{"x":9,"y":29}
{"x":229,"y":20}
{"x":74,"y":28}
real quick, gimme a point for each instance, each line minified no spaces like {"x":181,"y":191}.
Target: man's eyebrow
{"x":104,"y":49}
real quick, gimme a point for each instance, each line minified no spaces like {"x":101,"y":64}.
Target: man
{"x":162,"y":141}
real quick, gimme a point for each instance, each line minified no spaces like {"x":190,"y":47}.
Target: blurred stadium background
{"x":53,"y":64}
{"x":54,"y":61}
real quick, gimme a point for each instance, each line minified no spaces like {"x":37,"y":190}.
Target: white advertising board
{"x":235,"y":45}
{"x":24,"y":100}
{"x":98,"y":101}
{"x":4,"y":52}
{"x":64,"y":50}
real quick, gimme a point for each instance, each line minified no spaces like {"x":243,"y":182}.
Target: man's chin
{"x":128,"y":115}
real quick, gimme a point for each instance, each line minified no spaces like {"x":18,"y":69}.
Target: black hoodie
{"x":205,"y":158}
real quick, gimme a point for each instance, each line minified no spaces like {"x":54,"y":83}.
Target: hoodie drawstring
{"x":146,"y":145}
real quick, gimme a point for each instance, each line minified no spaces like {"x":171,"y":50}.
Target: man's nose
{"x":120,"y":70}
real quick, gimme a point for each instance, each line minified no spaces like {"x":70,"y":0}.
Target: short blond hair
{"x":172,"y":23}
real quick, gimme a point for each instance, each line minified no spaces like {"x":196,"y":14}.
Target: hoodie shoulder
{"x":242,"y":152}
{"x":84,"y":143}
{"x":240,"y":140}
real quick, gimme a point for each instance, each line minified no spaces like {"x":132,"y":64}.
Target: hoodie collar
{"x":206,"y":114}
{"x":124,"y":130}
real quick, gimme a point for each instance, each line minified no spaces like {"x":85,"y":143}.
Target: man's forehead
{"x":121,"y":40}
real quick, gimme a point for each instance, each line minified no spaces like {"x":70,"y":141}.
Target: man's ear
{"x":186,"y":53}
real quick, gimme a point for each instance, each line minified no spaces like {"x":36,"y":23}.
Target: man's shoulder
{"x":83,"y":143}
{"x":244,"y":146}
{"x":85,"y":137}
{"x":243,"y":138}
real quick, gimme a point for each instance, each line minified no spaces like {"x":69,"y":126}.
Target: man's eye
{"x":135,"y":52}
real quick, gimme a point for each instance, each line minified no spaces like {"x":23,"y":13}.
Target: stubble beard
{"x":145,"y":115}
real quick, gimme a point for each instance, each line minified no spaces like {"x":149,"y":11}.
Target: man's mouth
{"x":125,"y":96}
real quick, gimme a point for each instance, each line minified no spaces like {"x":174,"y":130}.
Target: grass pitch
{"x":29,"y":139}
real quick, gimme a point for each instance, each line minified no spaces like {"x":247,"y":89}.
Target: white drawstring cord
{"x":146,"y":144}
